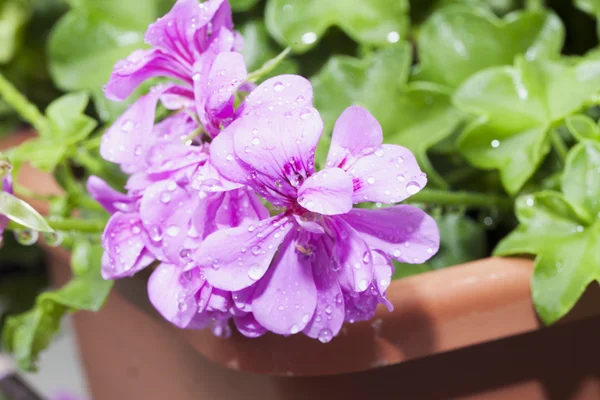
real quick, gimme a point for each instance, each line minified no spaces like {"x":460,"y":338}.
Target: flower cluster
{"x":194,"y":179}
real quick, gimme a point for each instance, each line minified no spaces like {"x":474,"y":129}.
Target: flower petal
{"x":389,"y":175}
{"x":328,"y":192}
{"x":287,"y":95}
{"x":405,"y":233}
{"x":123,"y":243}
{"x":233,"y":259}
{"x":215,"y":96}
{"x":356,"y":133}
{"x":240,"y":207}
{"x":351,"y":257}
{"x":138,"y":67}
{"x":184,"y":31}
{"x":173,"y":293}
{"x":329,"y":313}
{"x":383,"y":270}
{"x":109,"y":198}
{"x":248,"y":326}
{"x":166,"y":210}
{"x":286,"y":297}
{"x":224,"y":159}
{"x":279,"y":152}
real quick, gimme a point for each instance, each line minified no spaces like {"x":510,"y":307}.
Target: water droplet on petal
{"x":255,"y":272}
{"x":325,"y":335}
{"x":305,"y":318}
{"x":255,"y":141}
{"x":173,"y":230}
{"x":412,"y":187}
{"x":127,"y":126}
{"x":370,"y":180}
{"x":294,"y":329}
{"x":165,"y":198}
{"x":229,"y":157}
{"x":256,"y":250}
{"x":328,"y":310}
{"x":278,"y":86}
{"x":363,"y":284}
{"x":156,"y":233}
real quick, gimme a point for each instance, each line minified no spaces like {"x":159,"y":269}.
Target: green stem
{"x":268,"y":66}
{"x":69,"y":225}
{"x":28,"y":111}
{"x":463,"y":199}
{"x":534,"y":4}
{"x":559,"y":145}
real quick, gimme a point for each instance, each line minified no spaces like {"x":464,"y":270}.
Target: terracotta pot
{"x":443,"y":333}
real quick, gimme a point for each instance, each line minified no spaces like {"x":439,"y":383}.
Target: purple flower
{"x":193,"y":44}
{"x":5,"y":186}
{"x":321,"y":261}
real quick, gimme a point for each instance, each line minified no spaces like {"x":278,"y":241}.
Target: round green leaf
{"x":301,"y":23}
{"x":583,"y":127}
{"x":459,"y":40}
{"x":581,"y":179}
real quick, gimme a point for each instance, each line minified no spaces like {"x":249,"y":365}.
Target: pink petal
{"x":280,"y":152}
{"x":403,"y":232}
{"x":173,"y":293}
{"x":168,"y":157}
{"x":383,"y":270}
{"x":356,"y":133}
{"x":329,"y":313}
{"x":233,"y":259}
{"x":184,"y":31}
{"x":328,"y":192}
{"x":109,"y":198}
{"x":389,"y":175}
{"x":240,"y":207}
{"x":140,"y":66}
{"x":166,"y":210}
{"x":287,"y":95}
{"x":123,"y":243}
{"x":352,"y":257}
{"x":224,"y":159}
{"x":286,"y":297}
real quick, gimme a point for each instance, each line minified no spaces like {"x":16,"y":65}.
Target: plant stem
{"x":70,"y":225}
{"x":97,"y":167}
{"x":268,"y":66}
{"x":559,"y":145}
{"x":28,"y":111}
{"x":462,"y":199}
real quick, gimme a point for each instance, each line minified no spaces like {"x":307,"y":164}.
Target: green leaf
{"x":301,"y":23}
{"x":591,"y":7}
{"x":13,"y":16}
{"x":44,"y":154}
{"x":417,"y":116}
{"x":242,"y":5}
{"x":260,"y":48}
{"x":545,"y":218}
{"x":22,"y":213}
{"x":28,"y":334}
{"x":581,"y":179}
{"x":519,"y":105}
{"x":459,"y":40}
{"x":566,"y":247}
{"x":68,"y":123}
{"x":106,"y":31}
{"x":583,"y":127}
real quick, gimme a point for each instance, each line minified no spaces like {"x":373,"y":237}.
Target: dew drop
{"x":294,"y":329}
{"x":328,"y":309}
{"x":229,"y":157}
{"x":325,"y":335}
{"x":305,"y":319}
{"x":255,"y":272}
{"x":173,"y":230}
{"x":396,"y":253}
{"x":393,"y":37}
{"x":495,"y":143}
{"x":256,"y":250}
{"x":309,"y":37}
{"x":53,"y":239}
{"x":363,"y":284}
{"x":278,"y":86}
{"x":127,"y":126}
{"x":156,"y":233}
{"x":305,"y":114}
{"x":400,"y":178}
{"x":26,"y":237}
{"x":412,"y":187}
{"x":370,"y":180}
{"x":165,"y":198}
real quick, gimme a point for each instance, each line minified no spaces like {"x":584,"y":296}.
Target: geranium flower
{"x":5,"y":186}
{"x":194,"y":44}
{"x":303,"y":270}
